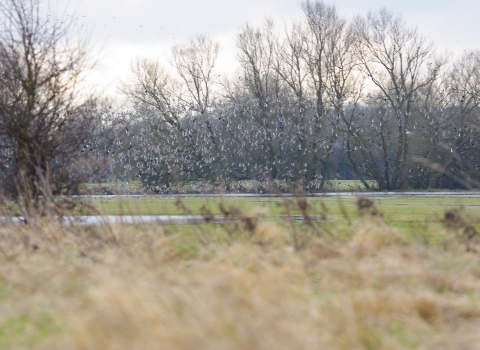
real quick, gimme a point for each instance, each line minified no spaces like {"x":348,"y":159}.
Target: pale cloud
{"x":452,"y":24}
{"x":128,"y":29}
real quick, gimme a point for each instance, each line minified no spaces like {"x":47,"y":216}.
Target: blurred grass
{"x":253,"y":283}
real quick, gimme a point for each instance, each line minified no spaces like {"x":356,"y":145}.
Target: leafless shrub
{"x":43,"y":122}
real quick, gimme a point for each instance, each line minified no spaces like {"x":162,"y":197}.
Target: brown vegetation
{"x":127,"y":287}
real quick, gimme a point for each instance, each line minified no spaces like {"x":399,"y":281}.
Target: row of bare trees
{"x":311,"y":100}
{"x":318,"y":98}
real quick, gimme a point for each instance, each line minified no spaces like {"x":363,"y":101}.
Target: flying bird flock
{"x":329,"y":100}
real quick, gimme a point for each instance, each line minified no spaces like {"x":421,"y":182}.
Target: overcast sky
{"x":126,"y":29}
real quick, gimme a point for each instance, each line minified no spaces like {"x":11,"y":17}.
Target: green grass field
{"x":414,"y":215}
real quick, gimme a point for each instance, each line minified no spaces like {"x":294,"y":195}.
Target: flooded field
{"x":449,"y":194}
{"x":399,"y":208}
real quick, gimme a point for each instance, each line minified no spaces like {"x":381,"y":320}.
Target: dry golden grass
{"x":127,"y":287}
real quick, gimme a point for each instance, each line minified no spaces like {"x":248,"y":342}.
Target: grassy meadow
{"x":393,"y":273}
{"x":412,"y":215}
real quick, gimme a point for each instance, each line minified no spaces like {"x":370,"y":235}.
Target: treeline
{"x":316,"y":99}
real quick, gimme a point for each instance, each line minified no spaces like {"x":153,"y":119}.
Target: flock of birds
{"x":276,"y":140}
{"x":237,"y":143}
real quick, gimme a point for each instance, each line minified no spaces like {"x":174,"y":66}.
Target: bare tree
{"x":452,"y":126}
{"x":181,"y":120}
{"x":258,"y":78}
{"x":333,"y":81}
{"x":400,"y":62}
{"x":195,"y":65}
{"x":42,"y":123}
{"x":151,"y":84}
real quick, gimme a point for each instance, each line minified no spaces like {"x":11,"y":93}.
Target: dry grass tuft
{"x":125,"y":287}
{"x":270,"y":234}
{"x":374,"y":235}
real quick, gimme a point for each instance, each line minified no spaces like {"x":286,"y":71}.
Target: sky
{"x":123,"y":30}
